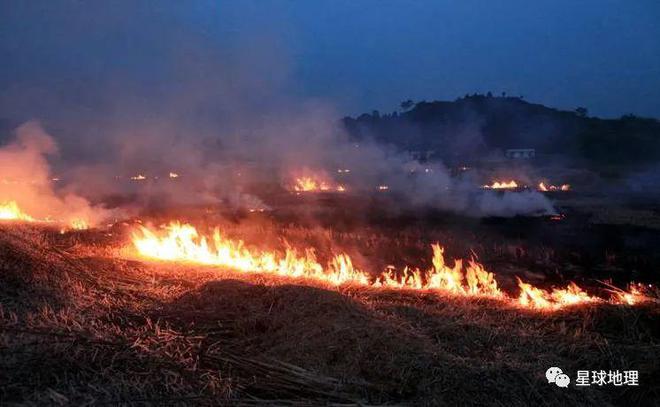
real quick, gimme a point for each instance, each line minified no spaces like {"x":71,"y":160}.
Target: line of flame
{"x":182,"y":242}
{"x":10,"y":211}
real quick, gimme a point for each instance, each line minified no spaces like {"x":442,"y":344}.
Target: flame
{"x":502,"y":185}
{"x":533,"y":297}
{"x":315,"y":184}
{"x":79,"y":224}
{"x":173,"y":175}
{"x":634,"y":295}
{"x":545,"y":188}
{"x":138,"y":177}
{"x":10,"y":211}
{"x":304,"y":184}
{"x":182,"y":242}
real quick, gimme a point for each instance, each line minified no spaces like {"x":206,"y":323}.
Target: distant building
{"x":520,"y":153}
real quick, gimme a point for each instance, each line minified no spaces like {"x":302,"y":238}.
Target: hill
{"x":476,"y":125}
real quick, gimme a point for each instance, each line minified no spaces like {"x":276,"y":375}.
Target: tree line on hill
{"x":477,"y":124}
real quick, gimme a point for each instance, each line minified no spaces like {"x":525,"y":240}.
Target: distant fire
{"x":383,"y":187}
{"x":78,"y":224}
{"x":11,"y":211}
{"x":316,"y":183}
{"x":542,"y":186}
{"x":502,"y":185}
{"x":173,"y":175}
{"x":182,"y":242}
{"x":138,"y":177}
{"x":545,"y":188}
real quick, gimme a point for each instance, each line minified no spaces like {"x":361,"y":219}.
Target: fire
{"x":79,"y":224}
{"x":315,"y":184}
{"x":10,"y":211}
{"x":383,"y":187}
{"x":531,"y":296}
{"x":502,"y":185}
{"x":304,"y":184}
{"x":138,"y":177}
{"x":182,"y":242}
{"x":634,"y":295}
{"x":545,"y":188}
{"x":173,"y":175}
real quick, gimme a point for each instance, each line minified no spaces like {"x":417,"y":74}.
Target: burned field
{"x":89,"y":319}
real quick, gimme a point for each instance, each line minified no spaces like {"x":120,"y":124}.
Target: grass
{"x":80,"y":325}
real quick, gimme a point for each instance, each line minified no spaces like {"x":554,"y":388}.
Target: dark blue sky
{"x":359,"y":55}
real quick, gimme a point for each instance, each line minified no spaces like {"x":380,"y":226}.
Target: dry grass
{"x":81,"y":327}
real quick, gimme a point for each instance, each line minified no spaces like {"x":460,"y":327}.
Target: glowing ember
{"x":383,"y":187}
{"x":173,"y":175}
{"x":545,"y":188}
{"x":138,"y":177}
{"x":502,"y":185}
{"x":181,"y":242}
{"x":10,"y":211}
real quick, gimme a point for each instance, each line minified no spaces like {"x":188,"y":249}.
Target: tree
{"x":581,"y":111}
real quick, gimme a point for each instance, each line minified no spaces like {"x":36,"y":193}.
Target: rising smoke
{"x":224,"y":115}
{"x":27,"y":180}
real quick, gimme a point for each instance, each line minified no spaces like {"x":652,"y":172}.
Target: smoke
{"x":179,"y":165}
{"x":27,"y":180}
{"x":222,"y":112}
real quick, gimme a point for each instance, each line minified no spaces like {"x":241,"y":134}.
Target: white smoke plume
{"x":26,"y":179}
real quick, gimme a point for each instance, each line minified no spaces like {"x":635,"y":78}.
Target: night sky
{"x":357,"y":55}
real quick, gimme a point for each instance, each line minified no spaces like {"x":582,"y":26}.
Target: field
{"x":84,"y":320}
